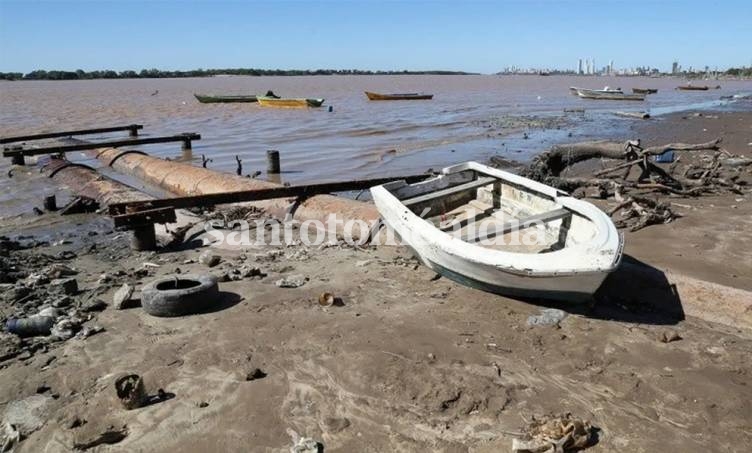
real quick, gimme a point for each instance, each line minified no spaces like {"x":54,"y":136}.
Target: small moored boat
{"x":291,"y":103}
{"x":690,"y":87}
{"x":503,"y":233}
{"x":397,"y":96}
{"x":644,"y":90}
{"x":590,"y":94}
{"x":212,"y":99}
{"x":606,"y":90}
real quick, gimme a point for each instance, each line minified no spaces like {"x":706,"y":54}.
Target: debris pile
{"x":555,"y":434}
{"x":41,"y":300}
{"x":642,"y":200}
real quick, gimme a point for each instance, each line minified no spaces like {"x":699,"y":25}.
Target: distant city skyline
{"x":482,"y":37}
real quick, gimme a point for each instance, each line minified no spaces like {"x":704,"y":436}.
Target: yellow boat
{"x":288,"y":103}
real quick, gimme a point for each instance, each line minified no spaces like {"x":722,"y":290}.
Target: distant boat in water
{"x":606,"y":90}
{"x":397,"y":96}
{"x":644,"y":90}
{"x":609,"y":96}
{"x":211,"y":99}
{"x":690,"y":87}
{"x":289,"y":103}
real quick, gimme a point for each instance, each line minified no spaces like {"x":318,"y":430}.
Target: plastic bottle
{"x":31,"y":326}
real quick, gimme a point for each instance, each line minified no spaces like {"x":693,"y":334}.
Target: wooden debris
{"x":719,"y":172}
{"x":638,"y":115}
{"x":559,"y":434}
{"x":80,"y":205}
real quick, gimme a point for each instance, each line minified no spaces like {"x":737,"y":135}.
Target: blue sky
{"x":473,"y":36}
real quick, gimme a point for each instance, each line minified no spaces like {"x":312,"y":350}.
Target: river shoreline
{"x":403,"y":361}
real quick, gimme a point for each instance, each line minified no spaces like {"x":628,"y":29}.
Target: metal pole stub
{"x":272,"y":161}
{"x":17,"y":159}
{"x":50,"y":203}
{"x":144,"y":238}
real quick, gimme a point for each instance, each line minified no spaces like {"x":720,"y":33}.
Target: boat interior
{"x":494,"y":213}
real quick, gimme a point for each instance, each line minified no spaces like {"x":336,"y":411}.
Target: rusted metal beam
{"x":133,"y":128}
{"x":144,"y":218}
{"x":185,"y":138}
{"x":304,"y":191}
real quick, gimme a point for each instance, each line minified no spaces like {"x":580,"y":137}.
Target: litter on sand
{"x":555,"y":434}
{"x":547,"y":317}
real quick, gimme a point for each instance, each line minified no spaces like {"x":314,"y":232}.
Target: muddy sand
{"x":403,"y":361}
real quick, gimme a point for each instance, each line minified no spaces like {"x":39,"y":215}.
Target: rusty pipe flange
{"x":69,"y":164}
{"x":119,"y":155}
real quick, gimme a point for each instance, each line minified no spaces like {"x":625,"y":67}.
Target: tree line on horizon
{"x":79,"y":74}
{"x":158,"y":74}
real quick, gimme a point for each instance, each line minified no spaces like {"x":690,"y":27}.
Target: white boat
{"x":610,"y":96}
{"x":503,"y":233}
{"x":606,"y":90}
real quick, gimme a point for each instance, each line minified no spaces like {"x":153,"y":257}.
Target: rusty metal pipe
{"x":185,"y":179}
{"x":89,"y":183}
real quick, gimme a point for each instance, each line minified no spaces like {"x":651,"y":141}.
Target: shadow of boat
{"x":635,"y":292}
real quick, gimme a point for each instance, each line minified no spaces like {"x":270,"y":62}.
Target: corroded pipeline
{"x":87,"y":182}
{"x":185,"y":179}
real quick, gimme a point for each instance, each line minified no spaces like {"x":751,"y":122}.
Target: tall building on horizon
{"x":579,"y":66}
{"x":675,"y":68}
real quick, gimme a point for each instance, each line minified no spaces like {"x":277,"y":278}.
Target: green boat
{"x":210,"y":99}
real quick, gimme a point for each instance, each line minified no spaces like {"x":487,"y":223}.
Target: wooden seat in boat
{"x":474,"y":184}
{"x":508,"y":227}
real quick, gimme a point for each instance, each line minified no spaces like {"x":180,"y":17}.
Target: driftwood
{"x":638,"y":115}
{"x":719,"y":173}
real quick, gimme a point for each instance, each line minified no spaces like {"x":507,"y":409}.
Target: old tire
{"x":180,"y":295}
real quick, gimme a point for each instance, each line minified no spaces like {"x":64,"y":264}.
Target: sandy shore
{"x":714,"y":239}
{"x":406,"y":362}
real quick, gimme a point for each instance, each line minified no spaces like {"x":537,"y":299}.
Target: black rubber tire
{"x":161,"y":302}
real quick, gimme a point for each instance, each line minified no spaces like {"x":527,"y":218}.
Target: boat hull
{"x":573,"y":288}
{"x":587,"y":94}
{"x":507,"y":273}
{"x":398,"y":96}
{"x":644,"y":90}
{"x":208,"y":99}
{"x":289,"y":103}
{"x":576,"y":91}
{"x":692,"y":88}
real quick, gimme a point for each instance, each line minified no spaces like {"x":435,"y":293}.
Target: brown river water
{"x":470,"y":118}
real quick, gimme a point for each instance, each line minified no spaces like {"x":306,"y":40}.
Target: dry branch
{"x":636,"y":211}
